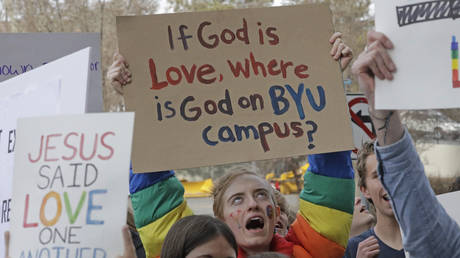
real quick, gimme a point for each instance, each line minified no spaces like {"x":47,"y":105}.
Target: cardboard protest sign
{"x":22,"y":52}
{"x":363,"y":129}
{"x":450,"y":203}
{"x":231,"y":86}
{"x":425,"y":35}
{"x":70,"y":185}
{"x":57,"y":87}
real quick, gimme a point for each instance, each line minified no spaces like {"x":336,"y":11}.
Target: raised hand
{"x":340,"y":51}
{"x":374,"y":61}
{"x":118,"y":73}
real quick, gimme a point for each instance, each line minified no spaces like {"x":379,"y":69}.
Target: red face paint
{"x":236,"y":218}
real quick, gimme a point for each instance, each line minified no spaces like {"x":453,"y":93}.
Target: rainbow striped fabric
{"x":158,"y":201}
{"x":325,"y":206}
{"x":323,"y":222}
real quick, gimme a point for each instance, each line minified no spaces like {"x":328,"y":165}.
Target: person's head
{"x":286,"y":215}
{"x":362,"y":218}
{"x":199,"y":236}
{"x":369,"y":182}
{"x":246,"y":203}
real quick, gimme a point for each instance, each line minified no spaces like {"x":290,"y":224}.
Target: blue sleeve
{"x":141,"y":181}
{"x":333,"y":164}
{"x":428,"y":231}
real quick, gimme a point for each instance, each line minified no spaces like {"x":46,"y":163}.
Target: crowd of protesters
{"x":251,"y":219}
{"x":391,"y":178}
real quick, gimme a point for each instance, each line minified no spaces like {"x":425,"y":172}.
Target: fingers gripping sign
{"x":374,"y":61}
{"x":378,"y":36}
{"x":381,"y":64}
{"x":118,"y":73}
{"x":340,"y":51}
{"x":368,"y":248}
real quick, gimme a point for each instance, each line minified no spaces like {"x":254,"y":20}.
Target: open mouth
{"x":279,"y":225}
{"x":255,"y":223}
{"x":363,"y":209}
{"x":386,"y":197}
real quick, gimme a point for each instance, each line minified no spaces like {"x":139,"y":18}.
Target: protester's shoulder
{"x":352,"y":247}
{"x":359,"y":238}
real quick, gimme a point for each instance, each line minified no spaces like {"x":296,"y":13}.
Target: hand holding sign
{"x":340,"y":51}
{"x":374,"y":61}
{"x":118,"y":73}
{"x":425,"y":34}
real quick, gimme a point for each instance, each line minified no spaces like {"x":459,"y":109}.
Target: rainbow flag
{"x":454,"y":51}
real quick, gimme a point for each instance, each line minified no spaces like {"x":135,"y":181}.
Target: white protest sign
{"x":70,"y":185}
{"x":450,"y":203}
{"x":363,"y":129}
{"x":22,"y":52}
{"x":425,"y":35}
{"x":57,"y":87}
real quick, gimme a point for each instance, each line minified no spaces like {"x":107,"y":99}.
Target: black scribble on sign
{"x":428,"y":11}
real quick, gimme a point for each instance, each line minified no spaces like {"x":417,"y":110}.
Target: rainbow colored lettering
{"x":454,"y":50}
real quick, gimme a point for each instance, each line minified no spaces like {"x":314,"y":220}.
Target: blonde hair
{"x":366,"y":150}
{"x":221,"y":185}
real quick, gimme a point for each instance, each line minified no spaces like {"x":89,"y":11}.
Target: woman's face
{"x":282,"y":224}
{"x":218,"y":247}
{"x":249,"y":211}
